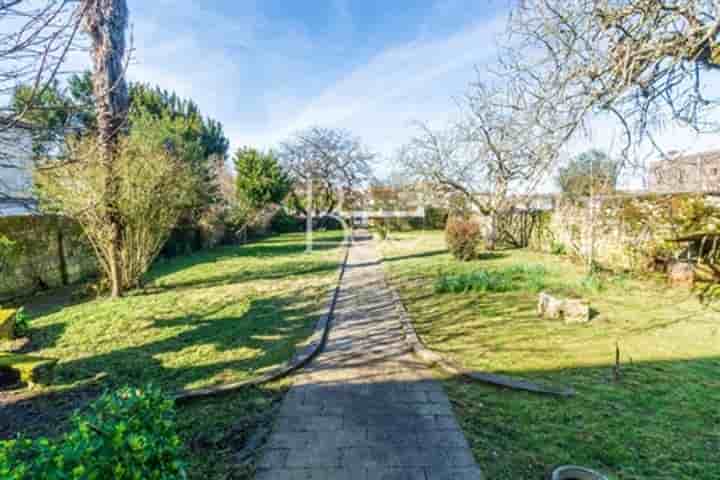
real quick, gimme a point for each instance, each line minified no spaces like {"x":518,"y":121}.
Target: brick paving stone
{"x":365,"y":408}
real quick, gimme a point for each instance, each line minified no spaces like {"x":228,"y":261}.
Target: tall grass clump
{"x":530,"y":277}
{"x":480,"y":281}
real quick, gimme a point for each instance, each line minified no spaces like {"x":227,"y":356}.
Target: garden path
{"x":365,"y":408}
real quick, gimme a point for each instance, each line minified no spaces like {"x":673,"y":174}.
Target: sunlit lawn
{"x":224,"y":315}
{"x":661,"y":420}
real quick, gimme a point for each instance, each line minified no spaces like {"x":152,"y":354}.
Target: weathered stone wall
{"x":625,"y":232}
{"x":48,"y":252}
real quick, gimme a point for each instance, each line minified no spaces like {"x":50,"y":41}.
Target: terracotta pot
{"x":572,"y":472}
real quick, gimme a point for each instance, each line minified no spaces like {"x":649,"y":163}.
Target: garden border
{"x":298,"y":361}
{"x":433,"y":358}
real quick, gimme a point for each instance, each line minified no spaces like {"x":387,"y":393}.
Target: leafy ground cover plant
{"x":126,"y":434}
{"x":530,"y":277}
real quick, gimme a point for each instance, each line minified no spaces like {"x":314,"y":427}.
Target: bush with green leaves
{"x":436,"y":218}
{"x":558,"y":248}
{"x":593,"y":283}
{"x":532,"y":276}
{"x":7,"y":250}
{"x":22,"y":323}
{"x":462,"y":237}
{"x":480,"y":281}
{"x":282,"y":222}
{"x":126,"y":435}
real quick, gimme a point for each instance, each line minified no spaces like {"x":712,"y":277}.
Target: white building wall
{"x":15,"y":163}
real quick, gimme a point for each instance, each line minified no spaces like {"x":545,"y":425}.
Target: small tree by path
{"x":150,"y":189}
{"x":106,"y":22}
{"x":261,"y":185}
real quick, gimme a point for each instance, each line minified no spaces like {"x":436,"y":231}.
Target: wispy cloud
{"x":380,"y":99}
{"x":266,"y":78}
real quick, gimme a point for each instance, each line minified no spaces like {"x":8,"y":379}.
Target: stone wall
{"x":625,"y":232}
{"x":619,"y":232}
{"x":47,"y":252}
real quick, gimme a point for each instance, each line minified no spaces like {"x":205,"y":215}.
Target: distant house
{"x":699,"y":172}
{"x":15,"y":169}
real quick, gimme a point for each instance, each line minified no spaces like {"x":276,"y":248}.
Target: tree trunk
{"x":61,"y":257}
{"x":106,"y":22}
{"x":491,"y":241}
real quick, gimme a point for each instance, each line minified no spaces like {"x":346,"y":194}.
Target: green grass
{"x":219,"y":316}
{"x":661,"y":420}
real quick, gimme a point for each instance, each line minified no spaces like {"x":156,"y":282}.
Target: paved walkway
{"x":365,"y":409}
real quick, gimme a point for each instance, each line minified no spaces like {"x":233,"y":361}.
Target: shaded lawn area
{"x":660,"y":421}
{"x":218,"y":316}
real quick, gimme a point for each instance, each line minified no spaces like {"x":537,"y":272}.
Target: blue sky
{"x":269,"y":68}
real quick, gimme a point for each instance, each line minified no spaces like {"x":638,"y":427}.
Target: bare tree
{"x":444,"y":161}
{"x":331,"y":161}
{"x":36,"y":38}
{"x":507,"y":144}
{"x":643,"y":61}
{"x":35,"y":41}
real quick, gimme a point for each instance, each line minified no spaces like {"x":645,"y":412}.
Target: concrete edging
{"x":298,"y":361}
{"x":433,"y":358}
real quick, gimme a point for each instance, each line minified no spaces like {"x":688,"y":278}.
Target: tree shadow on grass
{"x":494,"y":255}
{"x":238,"y":275}
{"x":211,"y":348}
{"x":46,"y":336}
{"x":432,"y":253}
{"x":220,"y":273}
{"x":659,"y":420}
{"x":266,"y":334}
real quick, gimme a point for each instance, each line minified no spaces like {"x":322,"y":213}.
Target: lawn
{"x":660,"y":420}
{"x":219,"y":316}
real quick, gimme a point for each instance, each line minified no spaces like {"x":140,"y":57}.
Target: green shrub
{"x":462,"y":238}
{"x":531,"y":276}
{"x":282,"y":222}
{"x":8,"y":248}
{"x":480,"y":281}
{"x":382,"y":229}
{"x":128,"y":434}
{"x":558,"y":248}
{"x":436,"y":218}
{"x":593,"y":283}
{"x":22,"y":323}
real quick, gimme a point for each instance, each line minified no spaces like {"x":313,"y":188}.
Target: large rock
{"x":7,"y":324}
{"x":29,"y":369}
{"x":570,"y":310}
{"x":681,"y":273}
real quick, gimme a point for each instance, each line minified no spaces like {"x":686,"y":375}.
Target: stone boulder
{"x":682,"y":274}
{"x":571,"y":310}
